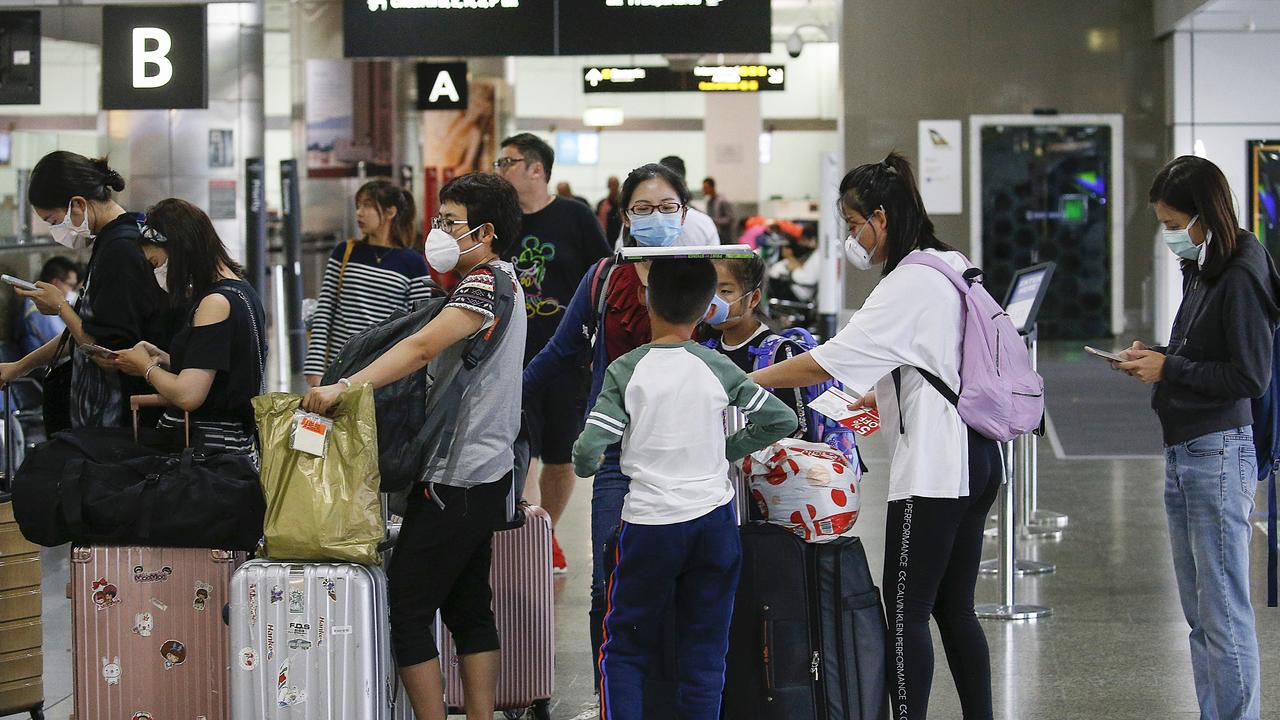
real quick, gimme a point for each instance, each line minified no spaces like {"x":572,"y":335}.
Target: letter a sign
{"x":442,"y":86}
{"x":154,"y":58}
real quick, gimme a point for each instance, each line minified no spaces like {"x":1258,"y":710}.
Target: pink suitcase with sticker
{"x":524,"y":608}
{"x":148,"y":636}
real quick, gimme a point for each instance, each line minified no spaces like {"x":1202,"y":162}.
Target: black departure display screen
{"x":435,"y":28}
{"x":603,"y":27}
{"x":414,"y":28}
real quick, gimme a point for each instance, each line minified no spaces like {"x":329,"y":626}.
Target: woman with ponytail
{"x":368,"y":280}
{"x":123,"y":302}
{"x":943,"y":476}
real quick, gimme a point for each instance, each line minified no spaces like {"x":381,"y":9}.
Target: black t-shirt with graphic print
{"x":557,"y":245}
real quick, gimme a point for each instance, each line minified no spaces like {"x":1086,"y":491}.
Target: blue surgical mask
{"x":719,"y":309}
{"x":1179,"y":241}
{"x":657,"y":229}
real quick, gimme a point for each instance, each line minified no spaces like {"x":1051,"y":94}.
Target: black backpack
{"x":409,"y":431}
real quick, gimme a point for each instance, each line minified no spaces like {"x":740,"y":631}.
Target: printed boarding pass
{"x":834,"y":403}
{"x":310,"y":433}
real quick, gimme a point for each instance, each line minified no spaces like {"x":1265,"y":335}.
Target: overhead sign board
{"x":702,"y":78}
{"x":615,"y":27}
{"x":409,"y":28}
{"x":400,"y":28}
{"x":158,"y":57}
{"x":442,"y":86}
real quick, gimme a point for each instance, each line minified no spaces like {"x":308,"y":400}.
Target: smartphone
{"x":1104,"y":354}
{"x":19,"y":282}
{"x":99,"y":351}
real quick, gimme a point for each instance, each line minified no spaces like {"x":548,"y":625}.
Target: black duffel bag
{"x":99,"y":486}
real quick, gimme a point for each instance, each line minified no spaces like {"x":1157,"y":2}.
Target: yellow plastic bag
{"x":321,"y":508}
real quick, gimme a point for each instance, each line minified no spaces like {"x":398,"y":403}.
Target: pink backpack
{"x":1001,"y":397}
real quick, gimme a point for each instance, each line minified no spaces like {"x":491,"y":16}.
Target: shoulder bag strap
{"x":66,"y":334}
{"x":337,"y":298}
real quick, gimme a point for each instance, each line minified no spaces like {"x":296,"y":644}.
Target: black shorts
{"x":441,"y":563}
{"x":555,"y":417}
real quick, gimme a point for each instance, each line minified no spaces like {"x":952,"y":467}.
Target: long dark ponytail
{"x":890,"y":184}
{"x":387,"y":195}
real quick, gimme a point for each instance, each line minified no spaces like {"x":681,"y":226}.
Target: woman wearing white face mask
{"x":1217,"y":360}
{"x":121,"y":304}
{"x":442,"y":558}
{"x":943,"y":476}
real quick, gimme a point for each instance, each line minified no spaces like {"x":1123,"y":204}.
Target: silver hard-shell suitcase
{"x":311,"y":640}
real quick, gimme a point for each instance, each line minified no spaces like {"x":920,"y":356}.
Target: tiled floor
{"x":1114,"y":648}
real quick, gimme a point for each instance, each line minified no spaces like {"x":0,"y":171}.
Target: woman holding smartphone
{"x":122,"y":302}
{"x":1218,"y":359}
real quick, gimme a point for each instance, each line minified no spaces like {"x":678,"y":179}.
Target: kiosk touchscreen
{"x":1026,"y":294}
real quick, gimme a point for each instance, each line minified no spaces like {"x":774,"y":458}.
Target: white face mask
{"x":69,"y":236}
{"x":858,"y":256}
{"x":162,"y":276}
{"x":442,"y":250}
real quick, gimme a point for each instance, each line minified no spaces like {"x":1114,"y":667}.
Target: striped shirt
{"x":378,"y":283}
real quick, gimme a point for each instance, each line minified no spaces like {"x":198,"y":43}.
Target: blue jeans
{"x":1210,"y":484}
{"x":694,"y":566}
{"x":608,"y":492}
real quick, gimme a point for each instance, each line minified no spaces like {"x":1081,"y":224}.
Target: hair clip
{"x":150,"y":234}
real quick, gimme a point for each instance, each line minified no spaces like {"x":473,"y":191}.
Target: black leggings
{"x":932,"y":550}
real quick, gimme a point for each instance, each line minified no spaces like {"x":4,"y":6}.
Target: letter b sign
{"x":154,"y":58}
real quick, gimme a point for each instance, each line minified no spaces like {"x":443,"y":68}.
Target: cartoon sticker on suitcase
{"x":111,"y":670}
{"x":105,"y":593}
{"x":286,"y":695}
{"x":140,"y":715}
{"x":143,"y":624}
{"x":330,"y":587}
{"x":248,"y":658}
{"x":174,"y":654}
{"x":253,"y":605}
{"x":140,"y":575}
{"x":201,"y":599}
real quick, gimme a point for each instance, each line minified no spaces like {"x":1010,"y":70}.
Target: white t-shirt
{"x":911,"y":320}
{"x":699,"y":229}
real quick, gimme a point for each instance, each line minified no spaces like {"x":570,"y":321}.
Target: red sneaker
{"x":558,"y":564}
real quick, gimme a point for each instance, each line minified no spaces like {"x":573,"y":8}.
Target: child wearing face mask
{"x":744,"y":327}
{"x":120,"y":305}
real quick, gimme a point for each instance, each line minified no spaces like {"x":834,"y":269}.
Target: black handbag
{"x":56,"y":401}
{"x":99,"y":486}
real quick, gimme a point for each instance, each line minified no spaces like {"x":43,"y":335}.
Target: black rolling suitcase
{"x":808,"y":633}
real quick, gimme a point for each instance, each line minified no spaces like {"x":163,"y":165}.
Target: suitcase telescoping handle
{"x":141,"y":401}
{"x":7,"y":485}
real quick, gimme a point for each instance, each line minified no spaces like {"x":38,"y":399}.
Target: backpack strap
{"x":933,"y":380}
{"x":598,"y":294}
{"x":1271,"y":540}
{"x":444,"y":418}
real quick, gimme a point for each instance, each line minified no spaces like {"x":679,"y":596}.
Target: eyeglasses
{"x":505,"y":162}
{"x":151,"y":234}
{"x":669,"y":207}
{"x":445,"y":224}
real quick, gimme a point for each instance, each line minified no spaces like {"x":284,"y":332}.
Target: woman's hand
{"x":155,"y":353}
{"x":1147,"y":366}
{"x":867,"y":402}
{"x":8,"y":373}
{"x":322,"y":398}
{"x":48,"y":298}
{"x":1133,"y":352}
{"x":134,"y":361}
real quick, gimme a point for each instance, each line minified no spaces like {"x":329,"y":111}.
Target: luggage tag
{"x":835,"y":403}
{"x":310,"y":433}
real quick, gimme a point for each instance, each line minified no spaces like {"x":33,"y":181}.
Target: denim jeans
{"x":607,"y":494}
{"x":1210,"y":484}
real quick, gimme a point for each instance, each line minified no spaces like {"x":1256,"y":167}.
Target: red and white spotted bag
{"x":808,"y":488}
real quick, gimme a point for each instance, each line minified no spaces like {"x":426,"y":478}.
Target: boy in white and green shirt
{"x":679,"y":538}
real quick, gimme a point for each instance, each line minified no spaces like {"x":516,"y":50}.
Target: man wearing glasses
{"x":559,"y":241}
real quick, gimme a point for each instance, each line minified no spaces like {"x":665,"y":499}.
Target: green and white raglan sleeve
{"x":768,"y":418}
{"x":607,"y":421}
